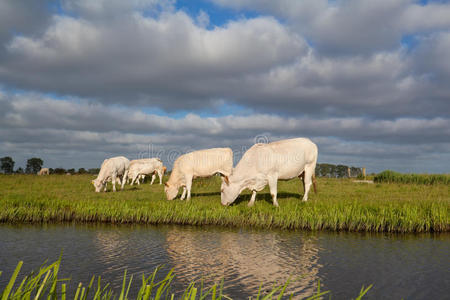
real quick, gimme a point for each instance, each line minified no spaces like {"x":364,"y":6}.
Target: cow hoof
{"x":250,"y":204}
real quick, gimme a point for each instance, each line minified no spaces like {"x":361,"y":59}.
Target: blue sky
{"x":368,"y":81}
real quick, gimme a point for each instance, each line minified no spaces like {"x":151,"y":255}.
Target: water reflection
{"x":399,"y":266}
{"x":245,"y":259}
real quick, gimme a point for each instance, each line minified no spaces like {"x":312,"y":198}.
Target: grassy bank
{"x":339,"y":205}
{"x":46,"y":284}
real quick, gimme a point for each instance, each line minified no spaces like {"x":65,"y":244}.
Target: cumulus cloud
{"x":143,"y":59}
{"x":352,"y":27}
{"x":33,"y":121}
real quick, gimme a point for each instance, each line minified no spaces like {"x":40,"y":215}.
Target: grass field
{"x":340,"y":204}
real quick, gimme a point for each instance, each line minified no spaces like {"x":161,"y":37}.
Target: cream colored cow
{"x":43,"y":171}
{"x":146,"y":166}
{"x":264,"y":164}
{"x":111,"y":169}
{"x":201,"y":163}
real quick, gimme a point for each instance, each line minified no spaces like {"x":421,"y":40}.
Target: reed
{"x":340,"y":204}
{"x":429,"y":179}
{"x":45,"y":284}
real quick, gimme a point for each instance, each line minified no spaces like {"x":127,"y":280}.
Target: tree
{"x":34,"y":165}
{"x":59,"y":171}
{"x":82,"y":171}
{"x":19,"y":171}
{"x":7,"y":165}
{"x":94,"y":171}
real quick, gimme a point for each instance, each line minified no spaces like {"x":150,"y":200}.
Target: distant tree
{"x":59,"y":171}
{"x":355,"y":172}
{"x":7,"y":165}
{"x":82,"y":171}
{"x":94,"y":171}
{"x":19,"y":171}
{"x":341,"y":171}
{"x":51,"y":170}
{"x":34,"y":165}
{"x":71,"y":171}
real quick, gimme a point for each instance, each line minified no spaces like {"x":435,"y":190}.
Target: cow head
{"x":98,"y":184}
{"x":229,"y":191}
{"x":170,"y":190}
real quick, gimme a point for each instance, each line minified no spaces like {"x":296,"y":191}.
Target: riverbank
{"x":339,"y":205}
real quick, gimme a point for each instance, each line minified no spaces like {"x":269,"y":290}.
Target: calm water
{"x":399,"y":266}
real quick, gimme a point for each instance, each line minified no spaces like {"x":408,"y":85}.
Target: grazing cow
{"x":146,"y":166}
{"x":201,"y":163}
{"x":111,"y":169}
{"x":264,"y":164}
{"x":44,"y":171}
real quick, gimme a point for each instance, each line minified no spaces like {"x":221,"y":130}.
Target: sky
{"x":367,"y":81}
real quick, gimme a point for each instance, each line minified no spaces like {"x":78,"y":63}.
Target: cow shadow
{"x":205,"y":194}
{"x":266,"y":197}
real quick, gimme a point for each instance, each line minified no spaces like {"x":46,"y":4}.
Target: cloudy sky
{"x":367,"y":81}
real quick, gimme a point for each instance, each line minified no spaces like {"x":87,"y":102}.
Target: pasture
{"x":340,"y":204}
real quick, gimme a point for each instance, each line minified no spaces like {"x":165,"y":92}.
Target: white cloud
{"x":32,"y":121}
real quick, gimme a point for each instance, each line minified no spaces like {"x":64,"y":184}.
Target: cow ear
{"x":227,"y":181}
{"x":166,"y":184}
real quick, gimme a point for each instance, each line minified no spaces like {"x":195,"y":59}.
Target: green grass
{"x":429,"y":179}
{"x":45,"y":284}
{"x":339,"y":205}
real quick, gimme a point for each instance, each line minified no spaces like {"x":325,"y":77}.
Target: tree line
{"x":35,"y":164}
{"x":337,"y":171}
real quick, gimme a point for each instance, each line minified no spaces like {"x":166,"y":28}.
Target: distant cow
{"x":111,"y":169}
{"x":141,"y":167}
{"x":264,"y":164}
{"x":44,"y":171}
{"x":202,"y":163}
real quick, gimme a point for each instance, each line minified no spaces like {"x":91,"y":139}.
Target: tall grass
{"x":339,"y":205}
{"x":45,"y":284}
{"x":394,"y":177}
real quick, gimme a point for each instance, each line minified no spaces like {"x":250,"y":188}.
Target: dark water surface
{"x":399,"y":266}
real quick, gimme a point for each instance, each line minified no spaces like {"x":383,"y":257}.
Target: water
{"x":399,"y":266}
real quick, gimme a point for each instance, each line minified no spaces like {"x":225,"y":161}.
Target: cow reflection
{"x":245,"y":259}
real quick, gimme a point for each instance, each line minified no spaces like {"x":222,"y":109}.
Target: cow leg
{"x":106,"y":185}
{"x":125,"y":175}
{"x":138,"y":179}
{"x":273,"y":189}
{"x":153,"y":178}
{"x":188,"y":187}
{"x":302,"y":179}
{"x":307,"y":179}
{"x":113,"y":181}
{"x":184,"y":193}
{"x":252,"y":199}
{"x":160,"y":175}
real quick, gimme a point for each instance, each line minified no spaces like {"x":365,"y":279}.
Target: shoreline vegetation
{"x":339,"y":205}
{"x":46,"y":284}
